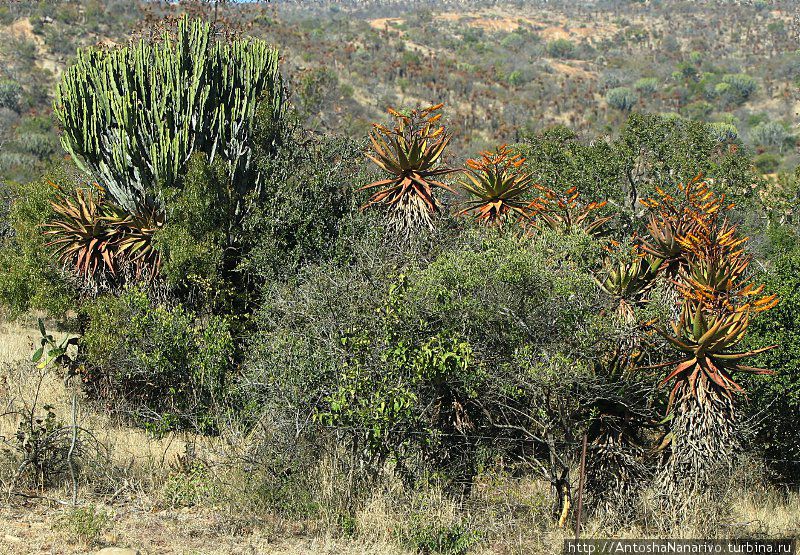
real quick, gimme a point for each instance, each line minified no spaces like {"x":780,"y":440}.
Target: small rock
{"x":117,"y":551}
{"x":12,"y":539}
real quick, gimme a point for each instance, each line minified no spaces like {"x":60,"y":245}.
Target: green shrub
{"x":767,"y":162}
{"x":310,"y":201}
{"x":741,"y":87}
{"x":37,"y":136}
{"x":425,"y":536}
{"x":557,"y":155}
{"x":658,"y":150}
{"x":769,"y":133}
{"x":561,"y":48}
{"x":159,"y":363}
{"x":622,"y":98}
{"x":10,"y":95}
{"x":405,"y":359}
{"x":723,"y":132}
{"x":29,"y":276}
{"x":189,"y":487}
{"x":774,"y":401}
{"x":646,"y":85}
{"x":193,"y":240}
{"x":699,"y":110}
{"x":84,"y":524}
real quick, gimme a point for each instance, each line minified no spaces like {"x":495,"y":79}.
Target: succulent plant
{"x":707,"y":341}
{"x":96,"y":237}
{"x":498,"y":186}
{"x":133,"y":116}
{"x":81,"y":235}
{"x":564,"y":211}
{"x":411,"y":154}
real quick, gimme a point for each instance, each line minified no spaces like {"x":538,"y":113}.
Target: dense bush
{"x":769,"y":133}
{"x":561,"y":48}
{"x":30,"y":278}
{"x":767,"y":162}
{"x":723,"y":132}
{"x":622,"y":98}
{"x":10,"y":95}
{"x":157,"y":364}
{"x":309,"y":184}
{"x":415,"y":363}
{"x":775,"y":400}
{"x":646,"y":85}
{"x":741,"y":86}
{"x":651,"y":150}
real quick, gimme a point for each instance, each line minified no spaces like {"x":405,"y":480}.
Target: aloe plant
{"x":497,"y":186}
{"x":411,"y":154}
{"x":564,"y":211}
{"x":709,"y":266}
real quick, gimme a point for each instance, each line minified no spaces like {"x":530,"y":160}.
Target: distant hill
{"x":503,"y":68}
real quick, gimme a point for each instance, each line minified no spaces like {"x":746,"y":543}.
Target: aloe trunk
{"x":703,"y":446}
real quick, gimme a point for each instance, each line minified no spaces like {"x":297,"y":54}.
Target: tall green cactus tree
{"x":133,"y":116}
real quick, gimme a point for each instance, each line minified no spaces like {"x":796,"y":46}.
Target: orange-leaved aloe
{"x":411,"y":154}
{"x":498,"y":186}
{"x":81,"y":236}
{"x":718,"y":298}
{"x":564,"y":211}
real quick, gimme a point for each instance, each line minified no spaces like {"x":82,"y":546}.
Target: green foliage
{"x":698,"y":110}
{"x":193,"y":240}
{"x":309,"y":192}
{"x":767,"y":162}
{"x":189,"y":487}
{"x":49,"y":351}
{"x":724,"y":132}
{"x":84,"y":524}
{"x":483,"y":289}
{"x":741,"y":87}
{"x":36,"y":137}
{"x":774,"y":401}
{"x":203,"y":100}
{"x":313,"y":88}
{"x":557,"y":157}
{"x":561,"y":48}
{"x":10,"y":95}
{"x":646,"y":85}
{"x":165,"y":368}
{"x":407,"y":367}
{"x":770,"y":134}
{"x":385,"y":407}
{"x":29,"y":276}
{"x":426,"y":536}
{"x":32,"y":147}
{"x":622,"y":98}
{"x":658,"y":150}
